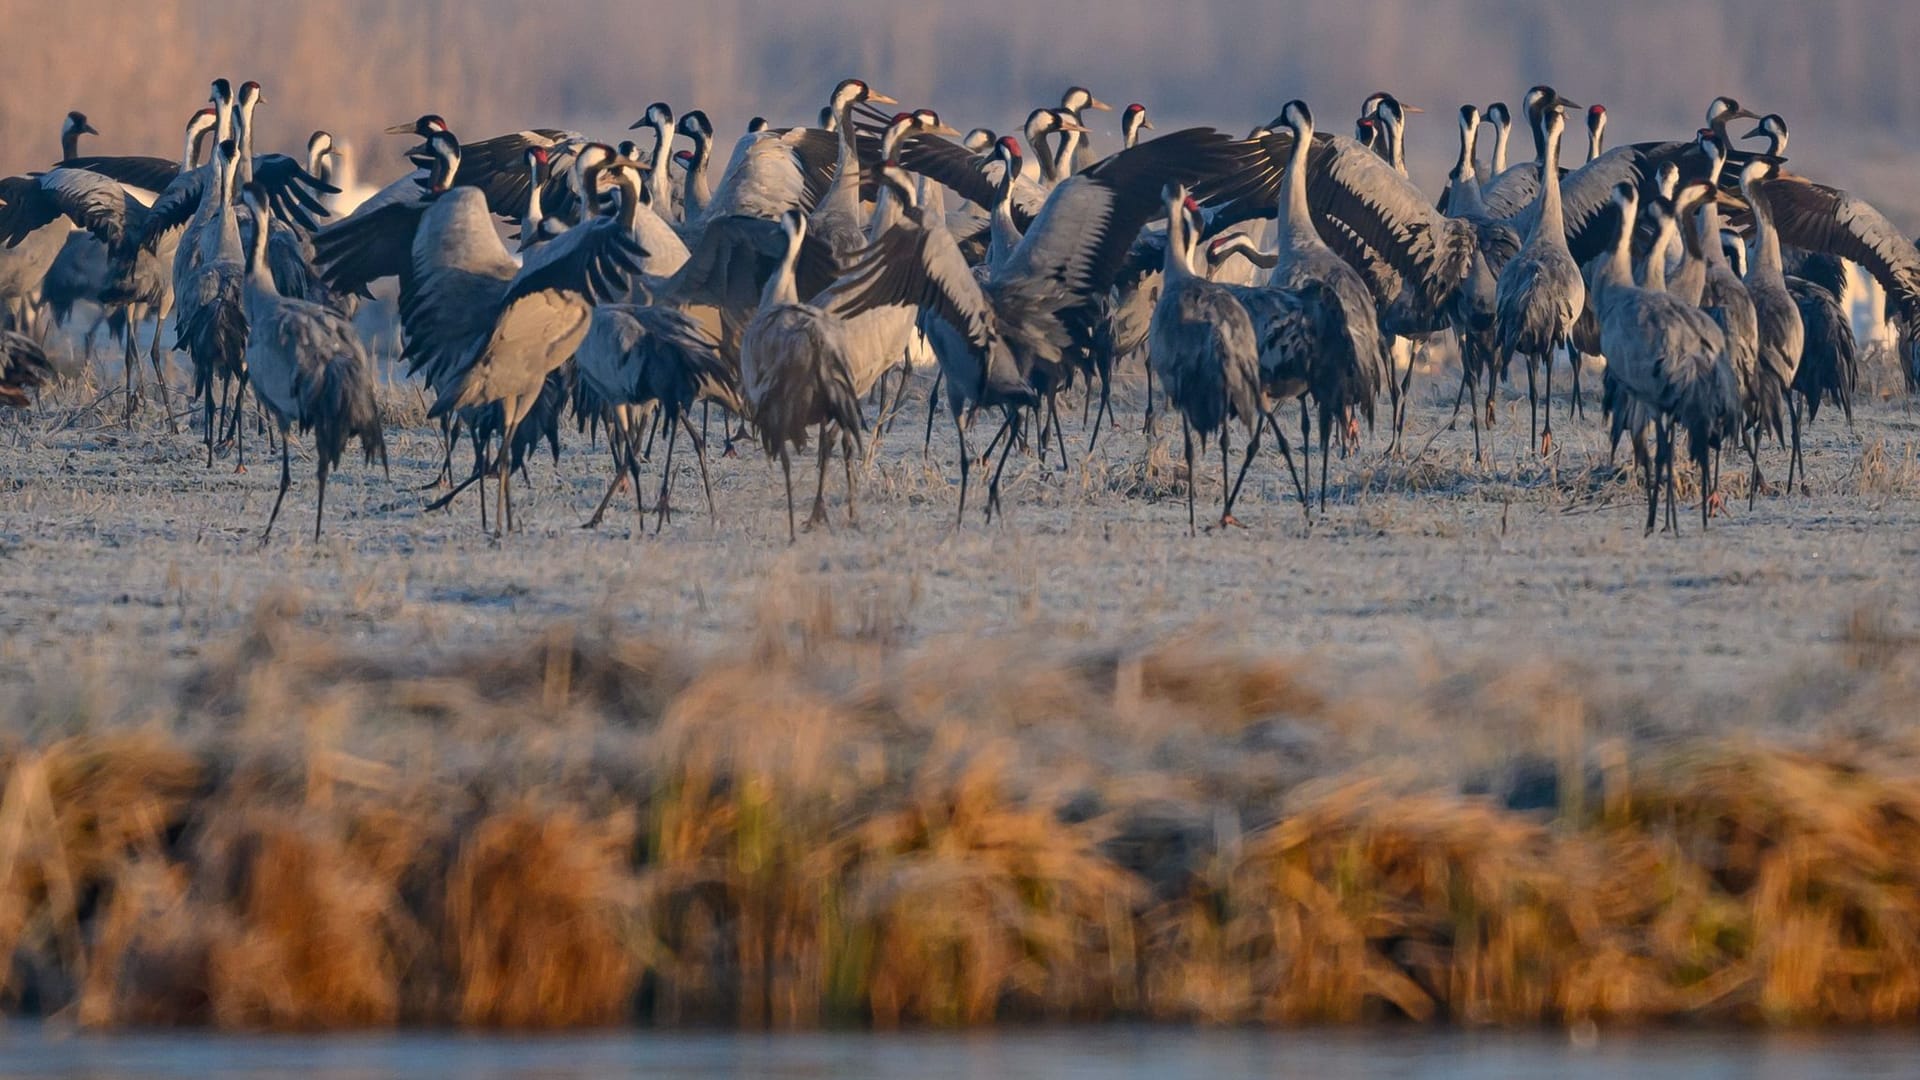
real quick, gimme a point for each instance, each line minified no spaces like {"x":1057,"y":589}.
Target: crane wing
{"x":1827,"y":219}
{"x":147,"y":173}
{"x":1081,"y":238}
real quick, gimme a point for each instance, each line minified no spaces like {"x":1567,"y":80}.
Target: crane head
{"x":929,"y":122}
{"x":756,"y":125}
{"x":1078,"y":99}
{"x":423,"y":127}
{"x":222,"y":92}
{"x":1723,"y":110}
{"x":1772,"y":126}
{"x":77,"y":124}
{"x":1498,"y":115}
{"x":1298,"y":116}
{"x":695,"y":125}
{"x":659,"y":116}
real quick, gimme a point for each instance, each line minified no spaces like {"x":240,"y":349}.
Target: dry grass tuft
{"x":537,"y":912}
{"x":821,"y":827}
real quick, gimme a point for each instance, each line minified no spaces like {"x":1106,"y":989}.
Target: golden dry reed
{"x":824,"y":827}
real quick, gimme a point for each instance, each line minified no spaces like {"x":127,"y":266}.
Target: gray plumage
{"x":1350,"y":360}
{"x":1203,"y":345}
{"x":1782,"y":336}
{"x":1541,"y":291}
{"x":638,"y":358}
{"x":1670,"y":358}
{"x":307,"y":366}
{"x":795,"y":374}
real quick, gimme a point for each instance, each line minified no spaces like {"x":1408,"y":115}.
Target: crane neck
{"x":226,"y":234}
{"x":1069,"y":145}
{"x":258,"y":275}
{"x":781,"y":287}
{"x":1003,"y":233}
{"x":1618,"y":271}
{"x":1767,"y":263}
{"x":530,"y":225}
{"x":1178,"y":260}
{"x":1463,"y":169}
{"x":1295,"y":226}
{"x":1706,"y":235}
{"x":244,"y":130}
{"x":1501,"y":133}
{"x":190,"y":148}
{"x":69,"y":142}
{"x":1654,"y":279}
{"x":1552,"y":224}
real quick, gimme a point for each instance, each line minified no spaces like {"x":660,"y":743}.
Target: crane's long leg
{"x":1546,"y":405}
{"x":966,"y":467}
{"x":1186,"y":441}
{"x":1059,"y":433}
{"x":819,"y":515}
{"x":207,"y":414}
{"x":1306,"y":456}
{"x":847,"y":449}
{"x":700,"y":455}
{"x":663,"y":508}
{"x":1577,"y":358}
{"x":510,"y":422}
{"x":1533,"y":404}
{"x":1326,"y":451}
{"x":1011,"y":427}
{"x":1287,"y":453}
{"x":320,"y":501}
{"x":1147,"y":428}
{"x":933,"y":404}
{"x":786,"y":472}
{"x":132,"y":361}
{"x":1644,"y":461}
{"x":1100,"y":417}
{"x":617,"y":436}
{"x":239,"y":431}
{"x":286,"y":481}
{"x":1793,"y":461}
{"x":1253,"y":447}
{"x":1700,"y":457}
{"x":160,"y":371}
{"x":1752,"y":436}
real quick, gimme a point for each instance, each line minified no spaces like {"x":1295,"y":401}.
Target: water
{"x":27,"y":1050}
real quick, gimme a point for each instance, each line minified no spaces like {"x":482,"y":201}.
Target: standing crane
{"x":213,"y":323}
{"x":1669,"y":357}
{"x":796,"y":374}
{"x":1202,"y":343}
{"x":309,"y":369}
{"x":1541,"y":291}
{"x":1782,"y":334}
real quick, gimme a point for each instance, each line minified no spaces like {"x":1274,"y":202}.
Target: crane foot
{"x":1228,"y":521}
{"x":1546,"y":444}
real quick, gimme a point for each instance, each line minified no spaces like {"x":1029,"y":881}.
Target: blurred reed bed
{"x":824,"y":825}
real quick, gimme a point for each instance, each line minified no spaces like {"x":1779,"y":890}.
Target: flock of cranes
{"x":542,"y":272}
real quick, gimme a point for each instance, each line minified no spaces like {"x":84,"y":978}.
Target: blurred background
{"x":1839,"y":71}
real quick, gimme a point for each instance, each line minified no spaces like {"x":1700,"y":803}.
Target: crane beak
{"x":1147,"y":125}
{"x":1072,"y":125}
{"x":1570,"y":105}
{"x":1404,"y":107}
{"x":946,"y":129}
{"x":1756,"y":133}
{"x":1096,"y":104}
{"x":401,"y":129}
{"x":1743,"y":114}
{"x":637,"y":124}
{"x":875,"y":97}
{"x":89,"y":129}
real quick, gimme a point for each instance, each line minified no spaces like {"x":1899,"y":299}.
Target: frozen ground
{"x":111,"y":536}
